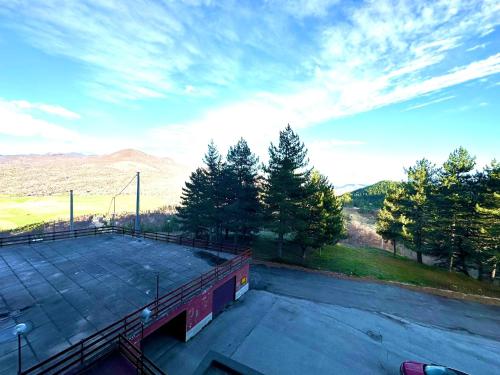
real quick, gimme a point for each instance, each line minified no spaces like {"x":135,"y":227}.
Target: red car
{"x":417,"y":368}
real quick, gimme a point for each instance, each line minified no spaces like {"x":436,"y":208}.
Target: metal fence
{"x":157,"y":236}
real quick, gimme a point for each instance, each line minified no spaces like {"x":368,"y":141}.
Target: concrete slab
{"x":69,"y":289}
{"x":295,"y":322}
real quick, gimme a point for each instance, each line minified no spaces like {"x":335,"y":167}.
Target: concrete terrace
{"x":68,"y":289}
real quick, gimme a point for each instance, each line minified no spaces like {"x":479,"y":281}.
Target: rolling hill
{"x":55,"y":174}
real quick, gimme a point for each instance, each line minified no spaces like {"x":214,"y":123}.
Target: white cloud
{"x":15,"y":122}
{"x":477,"y":46}
{"x":425,"y":104}
{"x":55,"y":110}
{"x":305,"y":8}
{"x":29,"y":134}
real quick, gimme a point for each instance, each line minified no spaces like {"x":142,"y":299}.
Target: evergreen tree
{"x":390,"y":218}
{"x":418,"y":190}
{"x":195,"y":204}
{"x":214,"y":174}
{"x":285,"y":186}
{"x":242,"y":192}
{"x":454,"y":206}
{"x":323,"y":221}
{"x":486,"y":225}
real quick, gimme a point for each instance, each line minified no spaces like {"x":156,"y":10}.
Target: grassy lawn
{"x":377,"y":264}
{"x":19,"y":211}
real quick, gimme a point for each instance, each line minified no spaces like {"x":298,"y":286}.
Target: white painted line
{"x":197,"y":328}
{"x":241,"y":291}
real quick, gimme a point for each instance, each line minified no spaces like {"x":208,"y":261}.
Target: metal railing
{"x":90,"y":349}
{"x":137,"y":358}
{"x":53,"y":236}
{"x":67,"y":234}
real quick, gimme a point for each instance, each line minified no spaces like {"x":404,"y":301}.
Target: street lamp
{"x":145,"y":316}
{"x":20,"y":330}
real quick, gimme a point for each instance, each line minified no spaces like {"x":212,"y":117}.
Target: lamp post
{"x":145,"y":315}
{"x":19,"y":330}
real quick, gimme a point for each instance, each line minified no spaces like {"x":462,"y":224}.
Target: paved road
{"x":437,"y":311}
{"x":294,"y":322}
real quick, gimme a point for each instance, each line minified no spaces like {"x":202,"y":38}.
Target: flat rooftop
{"x":66,"y":290}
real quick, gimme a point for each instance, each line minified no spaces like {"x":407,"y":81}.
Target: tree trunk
{"x":280,"y":245}
{"x":419,"y":257}
{"x":450,"y":266}
{"x":480,"y":271}
{"x":394,"y":247}
{"x":494,"y":272}
{"x":304,"y":248}
{"x":227,"y":233}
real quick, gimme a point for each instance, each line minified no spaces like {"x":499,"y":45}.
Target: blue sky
{"x":370,"y":86}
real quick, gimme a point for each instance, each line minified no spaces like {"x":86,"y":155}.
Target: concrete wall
{"x":199,"y":309}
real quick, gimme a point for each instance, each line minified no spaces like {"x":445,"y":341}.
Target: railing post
{"x":193,"y":241}
{"x":157,"y":292}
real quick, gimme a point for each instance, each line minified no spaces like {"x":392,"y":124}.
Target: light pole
{"x":145,"y":315}
{"x":137,"y":226}
{"x":19,"y":330}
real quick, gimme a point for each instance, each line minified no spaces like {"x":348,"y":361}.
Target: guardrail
{"x":177,"y":239}
{"x":92,"y":348}
{"x":182,"y":240}
{"x":53,"y":236}
{"x":137,"y":358}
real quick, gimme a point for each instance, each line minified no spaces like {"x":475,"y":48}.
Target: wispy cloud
{"x":476,"y":47}
{"x":425,"y":104}
{"x":55,"y":110}
{"x":15,"y":121}
{"x":28,"y":133}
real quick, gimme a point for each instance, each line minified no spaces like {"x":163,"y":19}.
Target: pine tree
{"x":214,"y":190}
{"x":418,"y":190}
{"x":390,"y":218}
{"x":454,"y":207}
{"x":242,"y":192}
{"x":195,"y":203}
{"x":284,"y":190}
{"x":486,"y":225}
{"x":323,"y":221}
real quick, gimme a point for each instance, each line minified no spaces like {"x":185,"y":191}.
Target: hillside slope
{"x":44,"y":175}
{"x":369,"y":198}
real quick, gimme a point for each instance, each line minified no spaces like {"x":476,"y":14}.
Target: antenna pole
{"x":71,"y":210}
{"x":137,"y":216}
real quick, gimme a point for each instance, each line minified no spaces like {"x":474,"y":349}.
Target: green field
{"x":377,"y":264}
{"x":19,"y":211}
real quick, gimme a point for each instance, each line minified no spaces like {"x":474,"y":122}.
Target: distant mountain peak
{"x":127,"y":153}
